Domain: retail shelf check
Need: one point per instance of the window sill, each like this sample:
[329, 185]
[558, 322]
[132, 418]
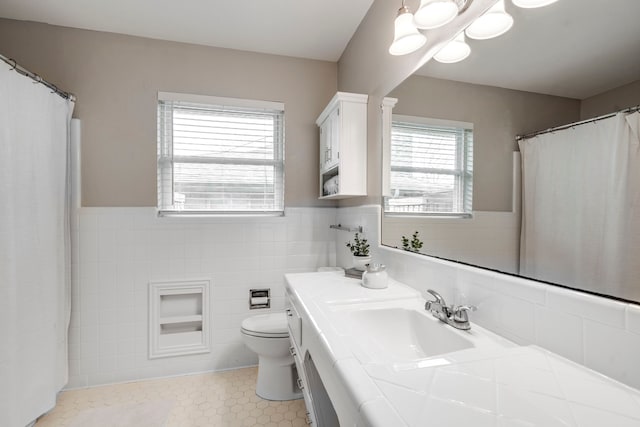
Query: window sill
[214, 214]
[429, 215]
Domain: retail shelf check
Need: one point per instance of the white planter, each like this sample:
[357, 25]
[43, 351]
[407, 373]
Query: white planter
[360, 262]
[375, 277]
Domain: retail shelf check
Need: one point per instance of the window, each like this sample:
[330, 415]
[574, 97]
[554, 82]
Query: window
[219, 155]
[431, 167]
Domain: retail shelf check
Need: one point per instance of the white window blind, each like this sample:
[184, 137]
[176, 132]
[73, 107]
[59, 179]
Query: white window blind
[431, 169]
[216, 158]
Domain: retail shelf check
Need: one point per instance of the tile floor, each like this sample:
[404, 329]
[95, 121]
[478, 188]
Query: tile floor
[225, 399]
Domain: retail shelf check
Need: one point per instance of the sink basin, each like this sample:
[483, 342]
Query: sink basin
[401, 335]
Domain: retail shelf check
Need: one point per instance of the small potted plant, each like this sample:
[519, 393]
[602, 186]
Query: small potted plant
[360, 250]
[413, 245]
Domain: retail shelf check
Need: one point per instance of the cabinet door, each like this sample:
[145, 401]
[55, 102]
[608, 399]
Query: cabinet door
[334, 147]
[325, 135]
[330, 141]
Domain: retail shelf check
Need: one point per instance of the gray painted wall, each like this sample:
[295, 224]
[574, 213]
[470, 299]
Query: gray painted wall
[116, 79]
[366, 67]
[613, 100]
[497, 115]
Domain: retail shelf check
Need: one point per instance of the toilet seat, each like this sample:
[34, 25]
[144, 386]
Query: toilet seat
[272, 325]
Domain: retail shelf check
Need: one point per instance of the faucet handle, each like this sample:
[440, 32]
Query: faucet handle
[438, 307]
[460, 312]
[437, 296]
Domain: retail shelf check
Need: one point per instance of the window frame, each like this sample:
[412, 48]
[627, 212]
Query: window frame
[463, 173]
[165, 155]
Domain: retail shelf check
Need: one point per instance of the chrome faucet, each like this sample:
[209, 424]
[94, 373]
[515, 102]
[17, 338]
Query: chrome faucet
[456, 316]
[437, 307]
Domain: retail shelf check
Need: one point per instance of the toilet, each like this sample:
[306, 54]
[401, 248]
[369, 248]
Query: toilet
[268, 336]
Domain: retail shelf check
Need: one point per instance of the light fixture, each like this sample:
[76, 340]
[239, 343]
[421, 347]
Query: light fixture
[495, 22]
[407, 38]
[454, 51]
[435, 13]
[530, 4]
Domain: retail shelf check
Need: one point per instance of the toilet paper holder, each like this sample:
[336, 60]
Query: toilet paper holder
[259, 298]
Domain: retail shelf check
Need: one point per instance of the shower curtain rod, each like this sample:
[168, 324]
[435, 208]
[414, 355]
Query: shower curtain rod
[37, 79]
[570, 125]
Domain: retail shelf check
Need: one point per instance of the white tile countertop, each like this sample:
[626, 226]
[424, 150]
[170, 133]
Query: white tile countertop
[493, 382]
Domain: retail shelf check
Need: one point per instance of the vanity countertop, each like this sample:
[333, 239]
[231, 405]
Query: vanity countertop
[494, 383]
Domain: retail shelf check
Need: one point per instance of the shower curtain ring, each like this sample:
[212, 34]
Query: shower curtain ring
[15, 64]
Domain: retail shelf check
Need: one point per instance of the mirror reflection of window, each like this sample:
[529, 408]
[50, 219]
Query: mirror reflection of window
[431, 167]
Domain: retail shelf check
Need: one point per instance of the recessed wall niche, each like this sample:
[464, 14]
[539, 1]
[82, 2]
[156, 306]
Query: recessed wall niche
[178, 318]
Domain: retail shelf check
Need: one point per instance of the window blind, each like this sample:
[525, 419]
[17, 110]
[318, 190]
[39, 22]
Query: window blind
[431, 169]
[218, 158]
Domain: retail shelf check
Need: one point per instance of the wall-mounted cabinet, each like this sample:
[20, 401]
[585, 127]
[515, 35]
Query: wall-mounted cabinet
[343, 147]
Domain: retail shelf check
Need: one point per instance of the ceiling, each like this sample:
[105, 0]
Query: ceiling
[572, 48]
[304, 29]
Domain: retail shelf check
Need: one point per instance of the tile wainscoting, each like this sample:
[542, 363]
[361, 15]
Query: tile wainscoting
[600, 333]
[118, 251]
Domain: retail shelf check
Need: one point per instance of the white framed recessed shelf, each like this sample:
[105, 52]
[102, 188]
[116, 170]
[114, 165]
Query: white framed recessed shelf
[178, 318]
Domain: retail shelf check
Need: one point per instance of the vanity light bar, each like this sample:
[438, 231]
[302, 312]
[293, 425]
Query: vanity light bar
[433, 14]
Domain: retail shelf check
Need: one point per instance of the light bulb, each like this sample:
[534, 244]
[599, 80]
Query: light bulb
[407, 38]
[454, 51]
[495, 22]
[435, 13]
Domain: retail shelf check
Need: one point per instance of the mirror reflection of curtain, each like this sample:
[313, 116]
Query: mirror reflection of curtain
[581, 207]
[34, 247]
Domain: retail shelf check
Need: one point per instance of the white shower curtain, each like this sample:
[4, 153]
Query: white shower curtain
[581, 214]
[34, 247]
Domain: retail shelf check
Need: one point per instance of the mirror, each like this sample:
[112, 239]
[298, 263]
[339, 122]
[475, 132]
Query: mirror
[567, 62]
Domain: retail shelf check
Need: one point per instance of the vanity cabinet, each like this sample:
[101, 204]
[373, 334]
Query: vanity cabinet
[294, 323]
[320, 410]
[343, 146]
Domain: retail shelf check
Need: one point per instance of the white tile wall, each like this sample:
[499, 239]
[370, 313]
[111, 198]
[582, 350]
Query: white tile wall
[633, 318]
[601, 333]
[117, 251]
[368, 217]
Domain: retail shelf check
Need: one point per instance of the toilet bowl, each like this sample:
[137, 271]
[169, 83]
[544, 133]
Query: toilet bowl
[267, 335]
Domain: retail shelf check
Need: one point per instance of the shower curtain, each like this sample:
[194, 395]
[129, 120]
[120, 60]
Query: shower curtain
[581, 209]
[34, 247]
